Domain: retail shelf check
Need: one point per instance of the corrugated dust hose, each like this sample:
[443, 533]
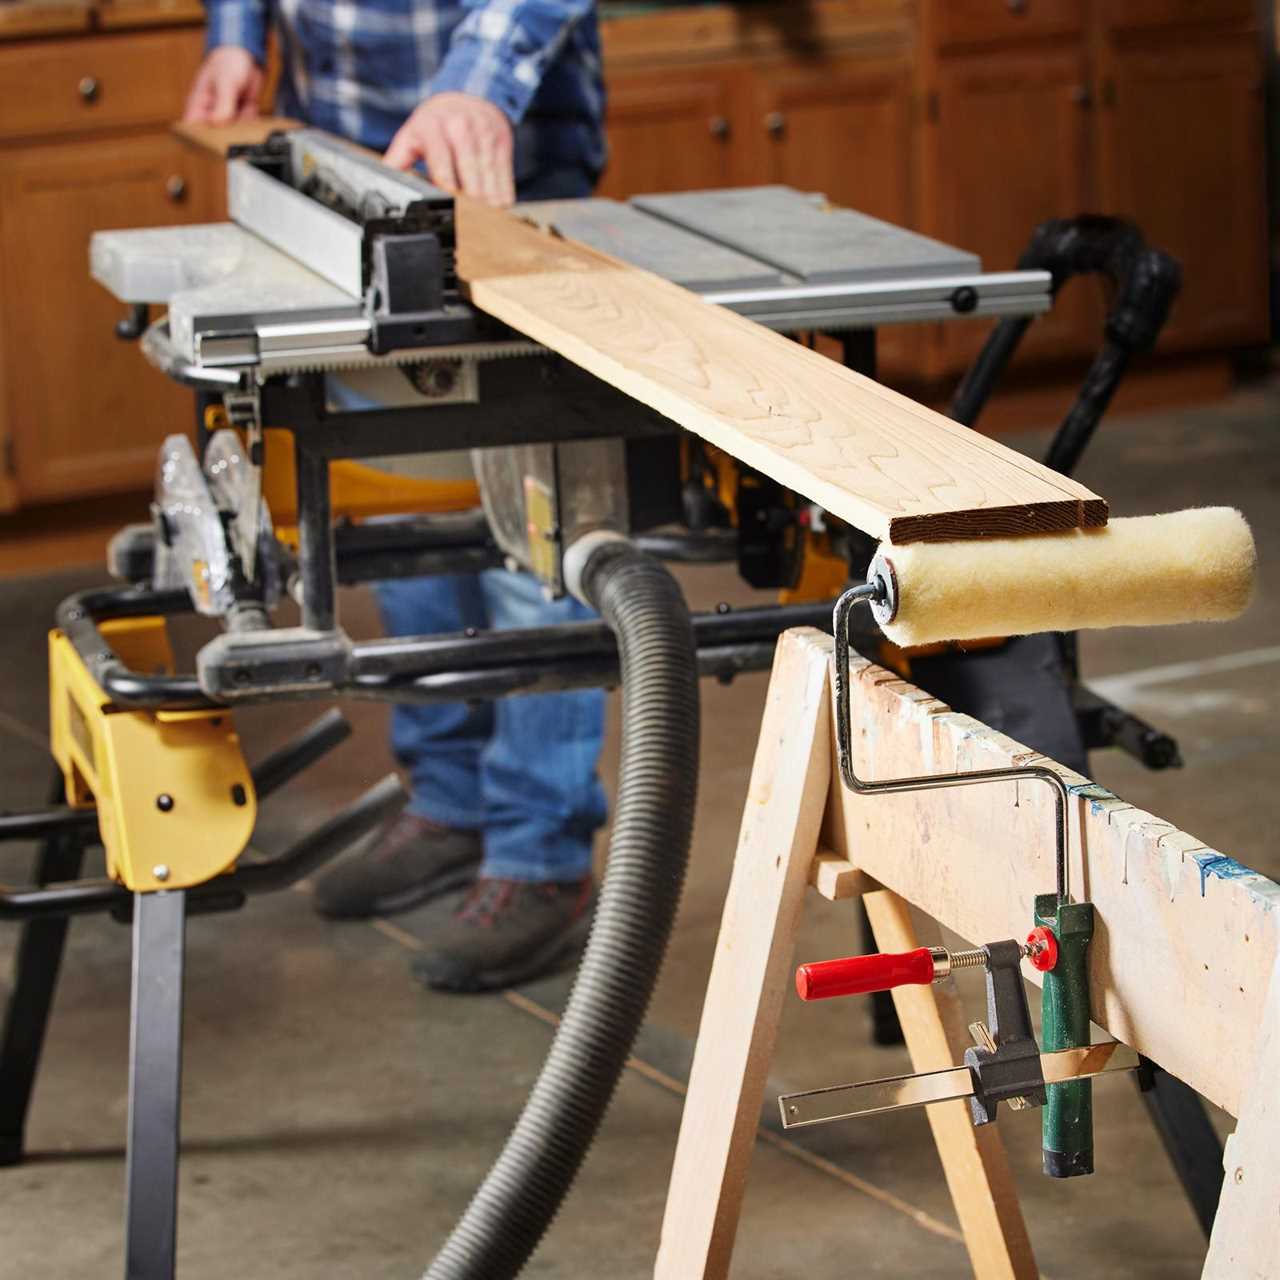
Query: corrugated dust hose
[648, 854]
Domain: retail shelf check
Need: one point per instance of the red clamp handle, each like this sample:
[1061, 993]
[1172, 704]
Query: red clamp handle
[858, 975]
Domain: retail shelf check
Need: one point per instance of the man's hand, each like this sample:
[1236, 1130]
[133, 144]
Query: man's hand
[466, 142]
[226, 88]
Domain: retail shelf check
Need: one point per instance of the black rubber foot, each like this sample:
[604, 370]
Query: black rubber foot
[11, 1150]
[1068, 1164]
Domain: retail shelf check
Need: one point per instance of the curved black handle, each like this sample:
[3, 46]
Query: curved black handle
[1145, 281]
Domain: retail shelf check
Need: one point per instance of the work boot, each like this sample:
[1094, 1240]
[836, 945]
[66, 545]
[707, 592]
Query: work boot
[507, 932]
[412, 861]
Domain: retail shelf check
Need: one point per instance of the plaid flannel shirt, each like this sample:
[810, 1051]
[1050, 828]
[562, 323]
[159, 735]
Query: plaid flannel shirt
[359, 67]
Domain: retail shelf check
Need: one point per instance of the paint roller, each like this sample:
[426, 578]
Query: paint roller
[1186, 566]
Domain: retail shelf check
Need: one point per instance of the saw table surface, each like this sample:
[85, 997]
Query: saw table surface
[783, 257]
[614, 288]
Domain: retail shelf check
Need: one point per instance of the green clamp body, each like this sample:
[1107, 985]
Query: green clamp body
[1068, 1115]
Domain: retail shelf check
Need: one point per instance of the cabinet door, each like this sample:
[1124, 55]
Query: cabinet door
[1006, 150]
[841, 127]
[1181, 153]
[668, 132]
[83, 411]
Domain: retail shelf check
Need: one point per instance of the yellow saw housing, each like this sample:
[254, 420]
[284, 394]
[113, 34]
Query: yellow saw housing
[174, 796]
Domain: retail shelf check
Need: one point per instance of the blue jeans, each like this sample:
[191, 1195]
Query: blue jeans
[521, 770]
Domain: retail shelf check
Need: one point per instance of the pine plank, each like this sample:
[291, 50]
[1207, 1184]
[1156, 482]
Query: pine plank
[892, 467]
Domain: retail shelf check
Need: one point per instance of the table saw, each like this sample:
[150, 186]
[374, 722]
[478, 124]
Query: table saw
[330, 307]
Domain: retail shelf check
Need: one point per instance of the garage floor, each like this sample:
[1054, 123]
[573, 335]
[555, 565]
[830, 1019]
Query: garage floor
[337, 1117]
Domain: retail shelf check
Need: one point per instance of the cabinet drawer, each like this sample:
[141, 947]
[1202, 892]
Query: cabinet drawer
[1118, 14]
[100, 82]
[982, 21]
[84, 410]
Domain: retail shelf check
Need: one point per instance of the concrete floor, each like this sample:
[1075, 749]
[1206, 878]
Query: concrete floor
[337, 1117]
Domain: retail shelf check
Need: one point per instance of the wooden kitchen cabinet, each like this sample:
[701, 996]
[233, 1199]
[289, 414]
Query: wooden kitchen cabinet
[841, 127]
[1005, 145]
[85, 414]
[670, 132]
[973, 121]
[85, 146]
[1180, 148]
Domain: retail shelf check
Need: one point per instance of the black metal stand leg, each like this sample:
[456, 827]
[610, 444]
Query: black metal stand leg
[1189, 1137]
[155, 1082]
[35, 980]
[316, 555]
[859, 350]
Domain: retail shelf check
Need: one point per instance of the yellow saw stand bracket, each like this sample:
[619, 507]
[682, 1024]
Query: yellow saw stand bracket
[175, 800]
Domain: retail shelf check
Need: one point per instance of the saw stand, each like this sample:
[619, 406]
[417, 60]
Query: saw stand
[802, 830]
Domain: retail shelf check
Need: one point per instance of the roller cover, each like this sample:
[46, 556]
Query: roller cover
[1188, 566]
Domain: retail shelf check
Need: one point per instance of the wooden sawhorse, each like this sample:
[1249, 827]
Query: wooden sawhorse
[1183, 965]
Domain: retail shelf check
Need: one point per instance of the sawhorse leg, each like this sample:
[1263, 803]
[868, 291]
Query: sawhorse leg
[35, 980]
[973, 1158]
[155, 1083]
[1245, 1244]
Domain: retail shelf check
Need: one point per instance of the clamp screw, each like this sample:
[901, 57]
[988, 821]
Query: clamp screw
[164, 802]
[161, 872]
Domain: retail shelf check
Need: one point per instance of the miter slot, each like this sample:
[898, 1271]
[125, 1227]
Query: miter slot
[856, 306]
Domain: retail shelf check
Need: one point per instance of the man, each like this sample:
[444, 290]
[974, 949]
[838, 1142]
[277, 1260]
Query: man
[498, 100]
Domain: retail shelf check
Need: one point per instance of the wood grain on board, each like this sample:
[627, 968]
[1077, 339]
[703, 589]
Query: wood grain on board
[870, 456]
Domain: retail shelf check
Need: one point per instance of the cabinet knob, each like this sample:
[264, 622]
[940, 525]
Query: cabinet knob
[175, 187]
[89, 88]
[776, 124]
[1082, 95]
[1018, 6]
[719, 127]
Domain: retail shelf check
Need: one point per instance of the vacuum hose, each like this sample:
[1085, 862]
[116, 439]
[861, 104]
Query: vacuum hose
[648, 854]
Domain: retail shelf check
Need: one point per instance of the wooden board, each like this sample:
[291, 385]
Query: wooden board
[870, 456]
[219, 138]
[1186, 937]
[749, 975]
[973, 1158]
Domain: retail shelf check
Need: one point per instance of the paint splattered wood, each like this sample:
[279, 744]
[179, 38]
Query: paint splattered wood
[875, 458]
[1186, 937]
